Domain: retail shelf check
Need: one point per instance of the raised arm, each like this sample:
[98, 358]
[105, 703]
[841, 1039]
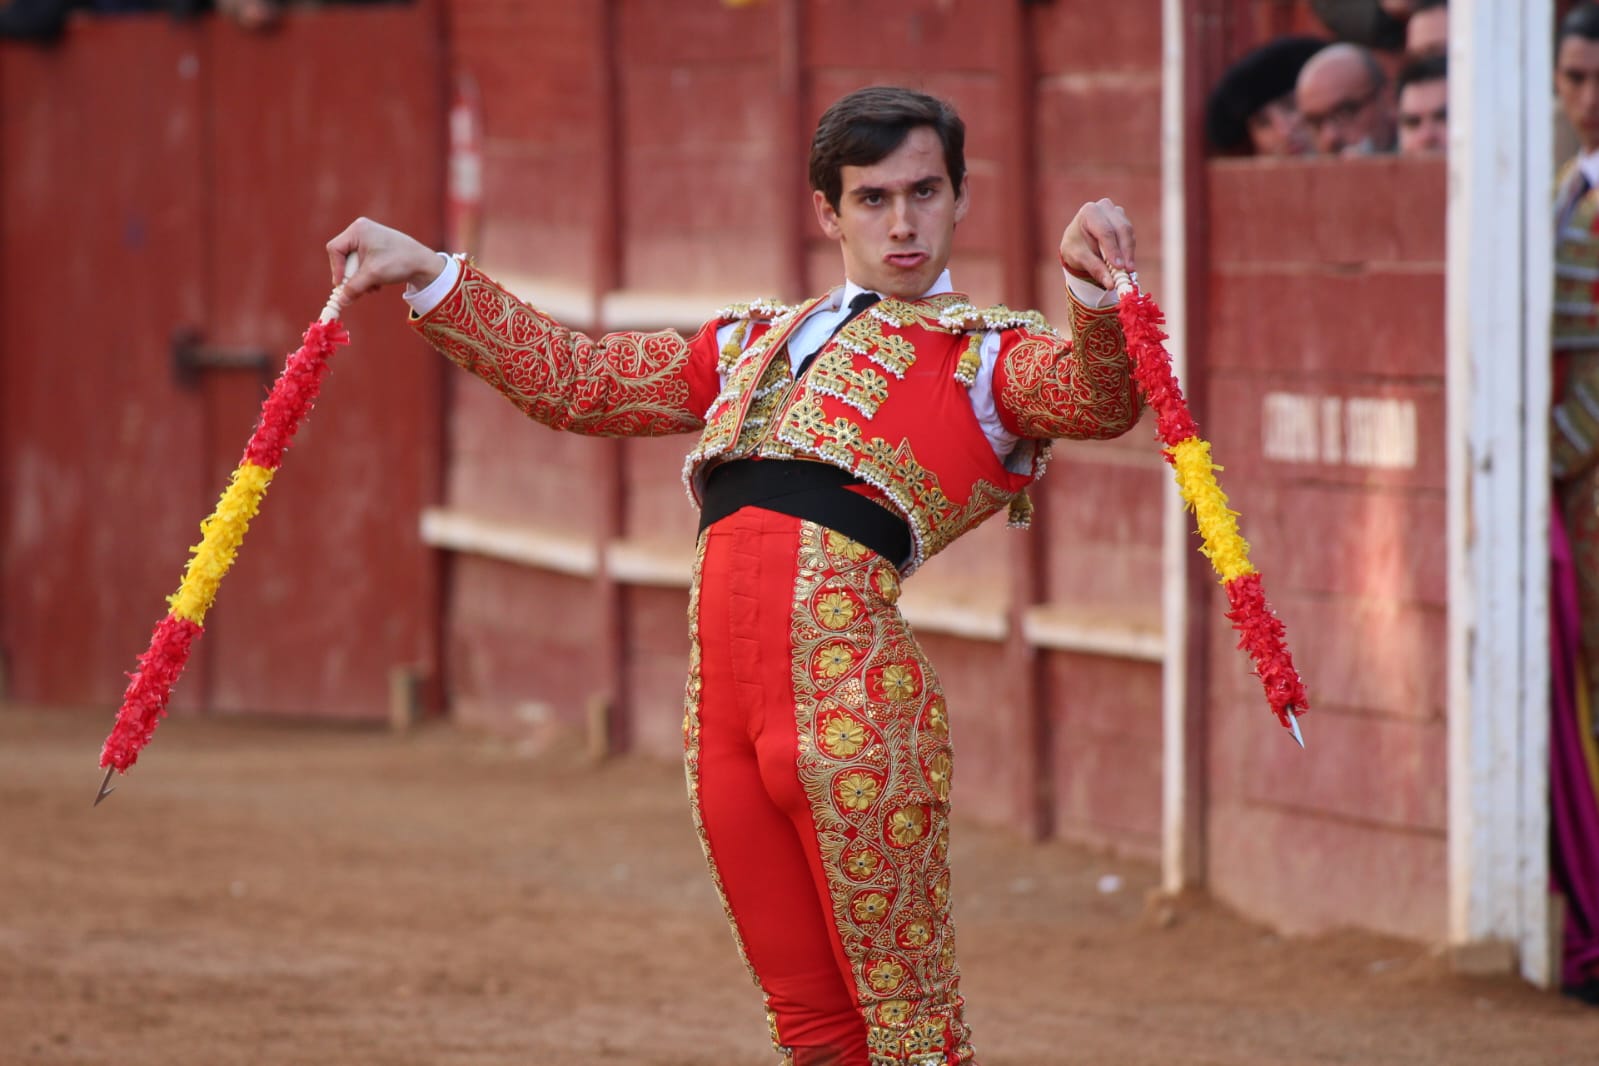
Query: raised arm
[1046, 387]
[624, 384]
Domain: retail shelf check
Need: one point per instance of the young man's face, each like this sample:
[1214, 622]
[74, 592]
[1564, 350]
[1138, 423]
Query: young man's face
[1577, 85]
[896, 218]
[1424, 117]
[1427, 32]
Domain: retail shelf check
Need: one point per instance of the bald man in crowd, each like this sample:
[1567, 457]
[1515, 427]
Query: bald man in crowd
[1343, 99]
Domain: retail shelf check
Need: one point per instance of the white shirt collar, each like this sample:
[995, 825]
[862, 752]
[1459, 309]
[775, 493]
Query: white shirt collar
[1588, 163]
[941, 285]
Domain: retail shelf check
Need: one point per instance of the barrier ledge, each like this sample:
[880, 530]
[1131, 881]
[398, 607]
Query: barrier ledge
[1113, 632]
[512, 542]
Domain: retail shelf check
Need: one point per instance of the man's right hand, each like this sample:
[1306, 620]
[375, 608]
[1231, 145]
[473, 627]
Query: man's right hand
[384, 256]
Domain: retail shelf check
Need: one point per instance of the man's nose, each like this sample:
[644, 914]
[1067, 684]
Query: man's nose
[900, 224]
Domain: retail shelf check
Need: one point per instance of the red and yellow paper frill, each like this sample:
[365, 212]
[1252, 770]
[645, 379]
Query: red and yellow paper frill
[1260, 632]
[149, 687]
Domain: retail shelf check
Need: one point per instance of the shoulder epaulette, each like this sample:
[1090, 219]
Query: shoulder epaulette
[969, 319]
[762, 310]
[977, 321]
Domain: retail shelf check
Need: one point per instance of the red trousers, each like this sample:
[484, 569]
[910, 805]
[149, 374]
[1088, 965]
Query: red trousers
[816, 743]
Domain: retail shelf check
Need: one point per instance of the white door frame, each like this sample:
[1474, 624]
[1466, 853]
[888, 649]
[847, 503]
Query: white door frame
[1500, 279]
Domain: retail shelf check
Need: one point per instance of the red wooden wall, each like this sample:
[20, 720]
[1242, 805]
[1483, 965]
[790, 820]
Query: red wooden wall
[163, 175]
[1325, 363]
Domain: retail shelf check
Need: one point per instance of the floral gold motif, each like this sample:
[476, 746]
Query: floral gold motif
[898, 681]
[907, 825]
[842, 736]
[834, 660]
[870, 907]
[861, 863]
[938, 772]
[885, 975]
[915, 934]
[857, 791]
[876, 774]
[836, 610]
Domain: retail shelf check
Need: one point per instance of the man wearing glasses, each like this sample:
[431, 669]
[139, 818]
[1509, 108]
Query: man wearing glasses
[1343, 98]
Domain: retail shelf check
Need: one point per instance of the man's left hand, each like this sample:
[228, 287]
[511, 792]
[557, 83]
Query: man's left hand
[1099, 238]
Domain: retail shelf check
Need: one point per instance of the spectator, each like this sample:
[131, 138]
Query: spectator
[251, 14]
[45, 20]
[1341, 97]
[1251, 110]
[1574, 528]
[1424, 105]
[1378, 24]
[1427, 29]
[33, 20]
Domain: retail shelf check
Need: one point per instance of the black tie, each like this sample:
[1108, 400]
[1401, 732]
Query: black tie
[1579, 187]
[862, 301]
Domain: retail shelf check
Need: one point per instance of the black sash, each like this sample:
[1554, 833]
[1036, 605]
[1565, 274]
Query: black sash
[810, 490]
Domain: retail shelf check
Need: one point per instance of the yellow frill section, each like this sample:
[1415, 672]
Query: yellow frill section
[1227, 551]
[221, 536]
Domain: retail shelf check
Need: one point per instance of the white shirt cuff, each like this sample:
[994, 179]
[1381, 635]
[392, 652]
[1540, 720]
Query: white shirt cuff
[1088, 294]
[430, 296]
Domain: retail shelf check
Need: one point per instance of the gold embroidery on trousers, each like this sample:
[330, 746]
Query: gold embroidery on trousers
[875, 762]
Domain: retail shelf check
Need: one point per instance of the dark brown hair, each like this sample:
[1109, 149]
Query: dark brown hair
[1422, 69]
[867, 125]
[1581, 21]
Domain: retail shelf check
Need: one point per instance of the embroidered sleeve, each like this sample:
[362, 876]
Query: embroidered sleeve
[1574, 419]
[622, 385]
[1083, 389]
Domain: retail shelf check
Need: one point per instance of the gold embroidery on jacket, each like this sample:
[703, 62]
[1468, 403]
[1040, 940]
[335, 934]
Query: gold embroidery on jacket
[627, 384]
[874, 760]
[834, 374]
[763, 416]
[893, 353]
[1081, 391]
[892, 467]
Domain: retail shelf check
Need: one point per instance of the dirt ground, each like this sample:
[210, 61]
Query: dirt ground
[265, 893]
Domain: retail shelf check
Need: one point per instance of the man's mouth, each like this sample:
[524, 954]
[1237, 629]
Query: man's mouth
[905, 260]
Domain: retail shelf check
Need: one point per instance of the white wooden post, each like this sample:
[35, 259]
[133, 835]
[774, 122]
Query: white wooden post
[1498, 302]
[1178, 868]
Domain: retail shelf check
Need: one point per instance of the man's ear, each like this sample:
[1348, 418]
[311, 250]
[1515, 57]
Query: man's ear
[826, 217]
[961, 201]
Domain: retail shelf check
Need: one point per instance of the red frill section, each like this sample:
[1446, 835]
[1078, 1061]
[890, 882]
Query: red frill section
[1262, 635]
[293, 394]
[1141, 321]
[285, 408]
[1260, 632]
[145, 702]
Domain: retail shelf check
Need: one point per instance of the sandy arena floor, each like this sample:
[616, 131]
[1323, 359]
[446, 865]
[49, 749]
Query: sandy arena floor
[267, 893]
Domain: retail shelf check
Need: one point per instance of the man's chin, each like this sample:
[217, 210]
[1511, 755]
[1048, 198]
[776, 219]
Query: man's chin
[909, 284]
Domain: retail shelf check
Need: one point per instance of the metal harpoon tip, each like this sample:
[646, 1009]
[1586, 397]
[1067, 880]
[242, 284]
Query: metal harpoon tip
[1293, 727]
[106, 787]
